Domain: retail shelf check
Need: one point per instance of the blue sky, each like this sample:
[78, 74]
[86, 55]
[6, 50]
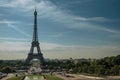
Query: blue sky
[66, 28]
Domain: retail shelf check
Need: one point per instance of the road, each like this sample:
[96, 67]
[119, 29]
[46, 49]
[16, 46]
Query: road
[73, 77]
[8, 76]
[83, 77]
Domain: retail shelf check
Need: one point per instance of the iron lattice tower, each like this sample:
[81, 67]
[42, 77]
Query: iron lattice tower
[35, 44]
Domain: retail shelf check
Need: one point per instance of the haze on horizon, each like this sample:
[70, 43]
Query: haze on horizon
[66, 28]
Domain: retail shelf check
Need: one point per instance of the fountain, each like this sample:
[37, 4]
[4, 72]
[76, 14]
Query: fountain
[27, 78]
[35, 71]
[35, 67]
[34, 78]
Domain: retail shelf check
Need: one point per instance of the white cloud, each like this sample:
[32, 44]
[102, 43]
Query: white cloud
[97, 19]
[13, 46]
[117, 36]
[51, 46]
[48, 10]
[17, 29]
[13, 39]
[52, 50]
[8, 22]
[15, 3]
[12, 25]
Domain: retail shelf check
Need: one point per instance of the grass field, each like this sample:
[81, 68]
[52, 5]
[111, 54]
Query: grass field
[48, 77]
[16, 78]
[35, 76]
[52, 77]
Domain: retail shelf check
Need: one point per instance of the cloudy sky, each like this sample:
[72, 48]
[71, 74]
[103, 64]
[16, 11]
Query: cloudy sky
[66, 28]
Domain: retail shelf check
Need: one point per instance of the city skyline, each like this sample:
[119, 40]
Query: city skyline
[66, 29]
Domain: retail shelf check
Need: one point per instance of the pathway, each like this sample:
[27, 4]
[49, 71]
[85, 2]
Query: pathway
[8, 76]
[79, 77]
[83, 77]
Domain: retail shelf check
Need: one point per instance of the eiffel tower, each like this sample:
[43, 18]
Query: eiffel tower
[35, 44]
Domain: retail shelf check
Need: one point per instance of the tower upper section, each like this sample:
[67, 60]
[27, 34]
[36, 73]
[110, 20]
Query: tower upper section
[35, 34]
[35, 12]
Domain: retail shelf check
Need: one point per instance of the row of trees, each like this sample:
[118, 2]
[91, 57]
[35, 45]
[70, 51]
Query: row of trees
[104, 66]
[8, 66]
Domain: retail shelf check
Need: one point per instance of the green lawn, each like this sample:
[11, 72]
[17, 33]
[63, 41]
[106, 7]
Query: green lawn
[53, 77]
[48, 77]
[16, 78]
[35, 76]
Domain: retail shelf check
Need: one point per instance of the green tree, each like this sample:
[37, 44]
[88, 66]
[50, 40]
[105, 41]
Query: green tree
[7, 69]
[115, 70]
